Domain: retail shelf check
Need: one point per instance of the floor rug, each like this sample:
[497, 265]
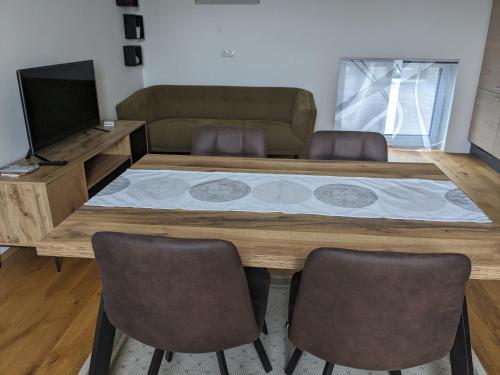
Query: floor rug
[133, 358]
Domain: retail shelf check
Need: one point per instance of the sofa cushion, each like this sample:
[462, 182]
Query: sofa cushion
[174, 135]
[223, 102]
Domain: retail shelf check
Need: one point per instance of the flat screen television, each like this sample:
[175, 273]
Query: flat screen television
[58, 101]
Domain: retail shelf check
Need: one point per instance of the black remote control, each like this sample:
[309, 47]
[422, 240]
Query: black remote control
[52, 162]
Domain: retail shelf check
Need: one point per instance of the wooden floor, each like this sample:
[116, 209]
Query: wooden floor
[47, 319]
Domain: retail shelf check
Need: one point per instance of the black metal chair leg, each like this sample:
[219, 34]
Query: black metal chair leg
[155, 365]
[57, 261]
[264, 359]
[396, 372]
[265, 331]
[169, 356]
[103, 344]
[328, 370]
[461, 353]
[222, 363]
[290, 367]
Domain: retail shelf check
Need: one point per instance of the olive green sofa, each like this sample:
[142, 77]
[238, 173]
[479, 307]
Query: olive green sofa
[287, 115]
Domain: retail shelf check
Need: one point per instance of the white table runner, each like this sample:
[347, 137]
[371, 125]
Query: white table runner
[408, 199]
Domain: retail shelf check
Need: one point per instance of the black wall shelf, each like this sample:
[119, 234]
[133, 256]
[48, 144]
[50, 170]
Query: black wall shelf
[132, 55]
[134, 26]
[127, 3]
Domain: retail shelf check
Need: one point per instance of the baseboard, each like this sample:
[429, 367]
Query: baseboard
[485, 157]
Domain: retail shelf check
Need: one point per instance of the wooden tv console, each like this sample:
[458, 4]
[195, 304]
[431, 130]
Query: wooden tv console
[32, 205]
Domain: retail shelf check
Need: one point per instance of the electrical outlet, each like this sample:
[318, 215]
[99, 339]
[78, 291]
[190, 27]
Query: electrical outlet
[228, 53]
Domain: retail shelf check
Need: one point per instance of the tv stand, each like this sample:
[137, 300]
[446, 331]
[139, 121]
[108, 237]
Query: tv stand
[32, 205]
[44, 161]
[101, 129]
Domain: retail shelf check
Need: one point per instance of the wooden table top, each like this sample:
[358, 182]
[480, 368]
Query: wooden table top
[277, 240]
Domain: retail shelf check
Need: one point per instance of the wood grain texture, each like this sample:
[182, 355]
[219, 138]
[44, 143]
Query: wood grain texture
[32, 205]
[496, 147]
[490, 73]
[101, 165]
[67, 194]
[287, 166]
[47, 319]
[278, 240]
[24, 213]
[486, 120]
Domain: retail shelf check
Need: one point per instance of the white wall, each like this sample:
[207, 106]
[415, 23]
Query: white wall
[299, 43]
[36, 33]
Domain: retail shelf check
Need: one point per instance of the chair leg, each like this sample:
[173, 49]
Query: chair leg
[461, 353]
[265, 331]
[103, 343]
[328, 370]
[155, 365]
[222, 363]
[290, 367]
[57, 262]
[264, 359]
[169, 356]
[396, 372]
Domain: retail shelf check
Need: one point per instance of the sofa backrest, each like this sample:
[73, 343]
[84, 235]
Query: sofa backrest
[210, 102]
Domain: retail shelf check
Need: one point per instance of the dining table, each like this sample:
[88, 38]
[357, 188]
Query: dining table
[277, 239]
[269, 233]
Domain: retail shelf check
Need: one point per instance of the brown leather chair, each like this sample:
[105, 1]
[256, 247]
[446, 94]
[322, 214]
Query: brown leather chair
[348, 145]
[229, 141]
[376, 311]
[177, 295]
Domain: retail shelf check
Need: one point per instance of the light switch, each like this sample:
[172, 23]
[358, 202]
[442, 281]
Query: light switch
[228, 53]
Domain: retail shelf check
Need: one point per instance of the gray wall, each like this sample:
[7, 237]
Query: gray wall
[300, 42]
[46, 32]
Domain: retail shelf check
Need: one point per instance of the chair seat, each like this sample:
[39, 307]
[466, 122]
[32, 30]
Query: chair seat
[259, 281]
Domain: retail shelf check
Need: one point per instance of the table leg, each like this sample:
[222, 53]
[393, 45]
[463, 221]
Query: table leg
[103, 343]
[461, 353]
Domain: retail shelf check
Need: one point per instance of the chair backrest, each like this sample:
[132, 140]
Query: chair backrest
[379, 310]
[348, 145]
[181, 295]
[229, 141]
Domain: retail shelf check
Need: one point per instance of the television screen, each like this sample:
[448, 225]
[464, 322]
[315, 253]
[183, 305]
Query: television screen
[58, 101]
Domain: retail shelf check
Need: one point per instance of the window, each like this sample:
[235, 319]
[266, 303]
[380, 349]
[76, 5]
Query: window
[407, 101]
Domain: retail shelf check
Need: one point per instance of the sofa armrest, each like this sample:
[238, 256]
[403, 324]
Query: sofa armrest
[304, 115]
[139, 106]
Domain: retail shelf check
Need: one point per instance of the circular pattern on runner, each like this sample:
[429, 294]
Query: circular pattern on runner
[224, 190]
[158, 188]
[408, 197]
[115, 186]
[346, 196]
[281, 192]
[460, 199]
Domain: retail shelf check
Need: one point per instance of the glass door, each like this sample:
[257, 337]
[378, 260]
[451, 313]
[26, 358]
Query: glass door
[408, 101]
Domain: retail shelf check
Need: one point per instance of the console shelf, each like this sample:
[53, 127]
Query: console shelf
[100, 166]
[32, 205]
